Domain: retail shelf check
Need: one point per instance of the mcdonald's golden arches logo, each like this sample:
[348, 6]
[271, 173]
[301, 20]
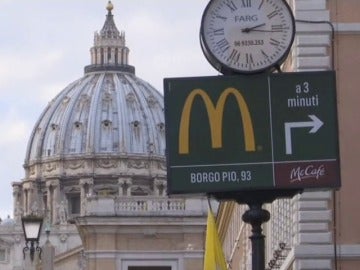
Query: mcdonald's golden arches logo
[215, 115]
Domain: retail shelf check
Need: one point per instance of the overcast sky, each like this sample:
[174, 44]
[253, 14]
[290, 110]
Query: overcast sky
[45, 46]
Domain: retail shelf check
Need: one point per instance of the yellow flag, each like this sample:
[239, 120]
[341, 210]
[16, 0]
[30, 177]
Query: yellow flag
[214, 258]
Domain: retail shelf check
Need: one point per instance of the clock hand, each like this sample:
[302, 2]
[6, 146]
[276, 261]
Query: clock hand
[260, 30]
[248, 29]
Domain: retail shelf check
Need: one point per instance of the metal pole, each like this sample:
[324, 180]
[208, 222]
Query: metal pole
[255, 216]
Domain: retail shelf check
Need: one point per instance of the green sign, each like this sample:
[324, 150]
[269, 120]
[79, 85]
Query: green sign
[266, 131]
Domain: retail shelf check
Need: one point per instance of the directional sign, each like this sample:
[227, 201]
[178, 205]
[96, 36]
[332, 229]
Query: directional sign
[258, 132]
[315, 124]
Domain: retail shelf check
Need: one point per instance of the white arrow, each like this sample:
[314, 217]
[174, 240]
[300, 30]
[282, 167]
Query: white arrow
[315, 124]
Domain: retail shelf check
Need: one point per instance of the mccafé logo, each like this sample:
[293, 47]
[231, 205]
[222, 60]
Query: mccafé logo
[215, 115]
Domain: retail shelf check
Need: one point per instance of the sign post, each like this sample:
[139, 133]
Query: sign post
[252, 139]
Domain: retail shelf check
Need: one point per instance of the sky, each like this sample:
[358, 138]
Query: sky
[44, 46]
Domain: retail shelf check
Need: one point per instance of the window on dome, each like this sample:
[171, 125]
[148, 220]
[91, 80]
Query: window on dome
[77, 124]
[136, 123]
[106, 123]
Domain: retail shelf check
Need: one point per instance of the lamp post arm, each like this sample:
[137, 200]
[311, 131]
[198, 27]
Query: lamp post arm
[26, 248]
[32, 250]
[39, 250]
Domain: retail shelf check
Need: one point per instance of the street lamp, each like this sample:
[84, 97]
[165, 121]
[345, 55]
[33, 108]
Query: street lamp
[32, 229]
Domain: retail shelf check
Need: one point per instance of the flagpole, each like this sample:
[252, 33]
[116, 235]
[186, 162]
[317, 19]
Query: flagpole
[214, 258]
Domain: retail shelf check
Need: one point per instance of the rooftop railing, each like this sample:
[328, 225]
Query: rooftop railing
[145, 205]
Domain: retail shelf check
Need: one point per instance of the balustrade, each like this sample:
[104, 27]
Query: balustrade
[143, 205]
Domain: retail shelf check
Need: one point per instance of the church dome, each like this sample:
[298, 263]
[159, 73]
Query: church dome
[107, 112]
[108, 119]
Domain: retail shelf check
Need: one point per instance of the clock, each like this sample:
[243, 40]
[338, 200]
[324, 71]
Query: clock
[246, 36]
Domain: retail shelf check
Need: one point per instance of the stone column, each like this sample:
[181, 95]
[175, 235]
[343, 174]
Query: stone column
[119, 57]
[29, 199]
[25, 202]
[49, 200]
[106, 59]
[93, 55]
[89, 182]
[18, 210]
[112, 59]
[98, 56]
[16, 193]
[53, 199]
[31, 202]
[123, 57]
[48, 255]
[126, 55]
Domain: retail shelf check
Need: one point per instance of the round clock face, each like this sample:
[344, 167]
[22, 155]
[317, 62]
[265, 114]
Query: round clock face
[246, 36]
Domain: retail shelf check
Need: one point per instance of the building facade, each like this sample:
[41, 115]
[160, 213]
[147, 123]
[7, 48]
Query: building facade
[95, 170]
[317, 229]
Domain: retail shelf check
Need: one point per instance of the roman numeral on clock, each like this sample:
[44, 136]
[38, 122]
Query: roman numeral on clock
[264, 54]
[273, 14]
[223, 45]
[278, 28]
[274, 42]
[219, 32]
[246, 3]
[231, 5]
[262, 2]
[234, 56]
[221, 17]
[249, 58]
